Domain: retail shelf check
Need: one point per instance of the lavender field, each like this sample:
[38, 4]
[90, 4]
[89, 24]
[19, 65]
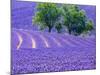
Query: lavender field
[35, 51]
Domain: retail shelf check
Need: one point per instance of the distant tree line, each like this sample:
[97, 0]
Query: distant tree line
[62, 16]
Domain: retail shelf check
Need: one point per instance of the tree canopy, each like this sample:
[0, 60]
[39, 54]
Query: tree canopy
[47, 15]
[64, 16]
[75, 19]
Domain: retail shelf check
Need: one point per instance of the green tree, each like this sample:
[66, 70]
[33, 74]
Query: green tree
[46, 16]
[75, 19]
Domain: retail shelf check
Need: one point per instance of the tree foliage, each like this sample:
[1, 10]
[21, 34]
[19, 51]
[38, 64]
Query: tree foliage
[65, 16]
[47, 15]
[75, 19]
[89, 26]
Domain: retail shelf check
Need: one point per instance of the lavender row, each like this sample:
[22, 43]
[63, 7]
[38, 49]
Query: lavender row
[42, 39]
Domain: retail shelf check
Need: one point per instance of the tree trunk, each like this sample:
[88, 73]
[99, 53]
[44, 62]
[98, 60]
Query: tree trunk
[69, 31]
[49, 29]
[69, 28]
[59, 31]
